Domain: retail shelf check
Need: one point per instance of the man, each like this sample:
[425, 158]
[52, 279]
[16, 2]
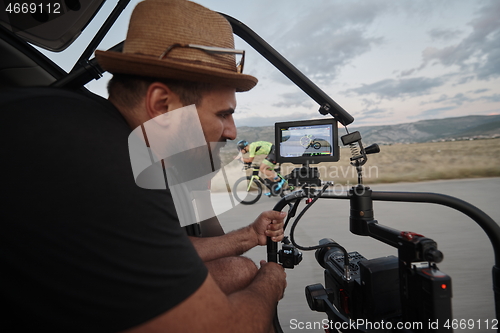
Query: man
[260, 148]
[83, 248]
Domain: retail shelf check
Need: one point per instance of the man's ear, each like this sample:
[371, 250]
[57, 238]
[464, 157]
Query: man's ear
[160, 99]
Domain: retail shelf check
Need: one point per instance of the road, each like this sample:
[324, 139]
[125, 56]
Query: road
[468, 254]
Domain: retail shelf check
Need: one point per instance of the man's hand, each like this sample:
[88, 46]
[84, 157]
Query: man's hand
[269, 224]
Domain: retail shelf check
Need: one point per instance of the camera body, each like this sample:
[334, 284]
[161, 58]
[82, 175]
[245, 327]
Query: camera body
[382, 290]
[372, 291]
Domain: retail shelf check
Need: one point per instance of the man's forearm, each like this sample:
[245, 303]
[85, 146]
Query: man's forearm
[249, 310]
[234, 243]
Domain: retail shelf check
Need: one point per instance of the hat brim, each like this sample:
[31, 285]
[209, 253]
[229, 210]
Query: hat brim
[142, 65]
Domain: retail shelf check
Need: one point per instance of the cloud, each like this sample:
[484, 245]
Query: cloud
[408, 72]
[432, 112]
[329, 42]
[374, 112]
[465, 79]
[492, 98]
[398, 88]
[461, 98]
[270, 120]
[444, 34]
[479, 52]
[370, 102]
[367, 116]
[341, 48]
[479, 91]
[440, 99]
[294, 100]
[458, 99]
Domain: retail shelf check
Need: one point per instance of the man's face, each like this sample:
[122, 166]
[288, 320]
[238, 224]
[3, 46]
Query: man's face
[216, 116]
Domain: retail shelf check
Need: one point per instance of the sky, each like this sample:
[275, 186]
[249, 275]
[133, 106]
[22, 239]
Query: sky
[384, 61]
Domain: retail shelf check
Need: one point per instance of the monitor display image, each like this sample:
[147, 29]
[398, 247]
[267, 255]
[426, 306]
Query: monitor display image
[308, 141]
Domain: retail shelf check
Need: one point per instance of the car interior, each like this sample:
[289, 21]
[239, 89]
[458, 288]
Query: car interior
[22, 65]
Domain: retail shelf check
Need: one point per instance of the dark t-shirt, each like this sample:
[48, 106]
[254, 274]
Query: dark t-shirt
[82, 247]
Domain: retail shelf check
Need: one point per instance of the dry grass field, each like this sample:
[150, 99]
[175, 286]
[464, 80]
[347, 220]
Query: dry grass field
[421, 161]
[418, 162]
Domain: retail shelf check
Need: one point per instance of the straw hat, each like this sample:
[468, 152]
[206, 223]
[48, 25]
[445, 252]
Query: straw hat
[157, 26]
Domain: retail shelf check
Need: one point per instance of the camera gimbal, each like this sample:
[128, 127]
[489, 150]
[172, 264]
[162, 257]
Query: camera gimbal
[406, 288]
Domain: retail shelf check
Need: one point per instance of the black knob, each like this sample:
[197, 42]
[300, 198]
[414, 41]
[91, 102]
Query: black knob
[372, 149]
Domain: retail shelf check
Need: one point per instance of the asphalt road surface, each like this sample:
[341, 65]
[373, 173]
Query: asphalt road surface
[468, 253]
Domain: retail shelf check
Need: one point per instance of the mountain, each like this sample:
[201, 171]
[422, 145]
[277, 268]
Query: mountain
[433, 130]
[421, 131]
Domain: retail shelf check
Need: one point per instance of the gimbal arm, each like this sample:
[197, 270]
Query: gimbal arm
[379, 232]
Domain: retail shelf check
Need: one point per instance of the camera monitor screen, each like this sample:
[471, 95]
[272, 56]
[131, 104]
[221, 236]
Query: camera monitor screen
[307, 141]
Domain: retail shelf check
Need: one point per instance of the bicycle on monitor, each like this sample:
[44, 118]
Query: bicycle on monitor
[248, 190]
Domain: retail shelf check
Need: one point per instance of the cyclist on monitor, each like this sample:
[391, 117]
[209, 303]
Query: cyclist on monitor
[260, 148]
